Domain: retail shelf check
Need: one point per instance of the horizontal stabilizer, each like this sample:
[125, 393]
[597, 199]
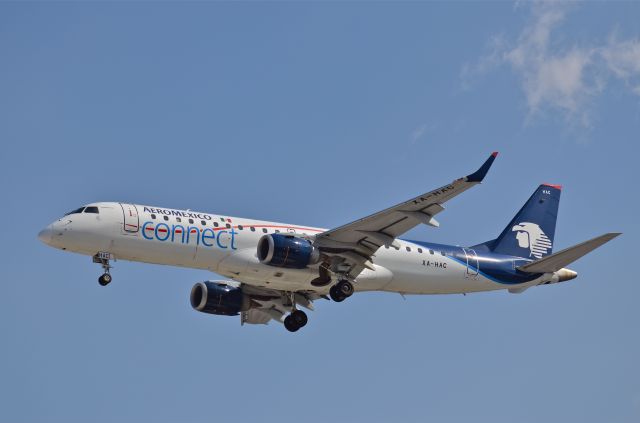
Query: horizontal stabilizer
[556, 261]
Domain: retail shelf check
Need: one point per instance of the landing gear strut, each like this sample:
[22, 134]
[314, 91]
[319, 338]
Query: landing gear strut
[341, 291]
[103, 260]
[297, 319]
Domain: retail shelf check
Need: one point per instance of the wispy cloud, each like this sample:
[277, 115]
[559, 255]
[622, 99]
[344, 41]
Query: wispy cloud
[420, 132]
[557, 76]
[623, 60]
[417, 133]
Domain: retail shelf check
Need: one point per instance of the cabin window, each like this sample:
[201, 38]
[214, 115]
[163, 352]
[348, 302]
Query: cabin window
[178, 220]
[191, 221]
[165, 217]
[215, 224]
[239, 227]
[420, 250]
[91, 209]
[253, 229]
[153, 216]
[228, 226]
[264, 230]
[204, 223]
[431, 252]
[277, 231]
[408, 249]
[443, 253]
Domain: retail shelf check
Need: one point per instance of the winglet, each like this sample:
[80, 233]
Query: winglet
[479, 174]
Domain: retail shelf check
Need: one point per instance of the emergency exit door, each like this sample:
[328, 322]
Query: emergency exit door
[472, 263]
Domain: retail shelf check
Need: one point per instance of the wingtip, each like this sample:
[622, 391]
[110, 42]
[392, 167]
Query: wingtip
[479, 174]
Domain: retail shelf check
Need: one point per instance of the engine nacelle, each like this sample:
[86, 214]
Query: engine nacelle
[218, 298]
[288, 251]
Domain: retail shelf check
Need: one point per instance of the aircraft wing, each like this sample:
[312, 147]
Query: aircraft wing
[355, 243]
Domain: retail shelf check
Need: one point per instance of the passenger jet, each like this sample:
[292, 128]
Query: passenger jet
[275, 269]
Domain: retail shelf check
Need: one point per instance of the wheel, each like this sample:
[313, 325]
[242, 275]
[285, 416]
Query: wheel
[105, 279]
[290, 324]
[299, 318]
[336, 295]
[345, 288]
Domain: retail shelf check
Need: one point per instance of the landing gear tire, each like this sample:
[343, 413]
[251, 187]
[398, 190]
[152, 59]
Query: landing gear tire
[336, 295]
[341, 291]
[300, 318]
[104, 280]
[296, 320]
[290, 324]
[345, 288]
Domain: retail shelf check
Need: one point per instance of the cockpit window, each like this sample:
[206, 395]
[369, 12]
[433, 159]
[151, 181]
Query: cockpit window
[75, 211]
[91, 209]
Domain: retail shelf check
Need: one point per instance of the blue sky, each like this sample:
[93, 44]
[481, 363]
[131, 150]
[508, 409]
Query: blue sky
[317, 114]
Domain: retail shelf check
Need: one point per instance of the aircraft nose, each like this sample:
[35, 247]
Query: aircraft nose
[46, 234]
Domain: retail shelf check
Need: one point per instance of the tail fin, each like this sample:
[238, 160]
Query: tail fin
[530, 233]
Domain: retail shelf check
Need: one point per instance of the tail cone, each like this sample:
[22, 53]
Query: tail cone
[566, 275]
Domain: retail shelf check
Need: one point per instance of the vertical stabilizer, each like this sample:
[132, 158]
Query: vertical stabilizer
[530, 233]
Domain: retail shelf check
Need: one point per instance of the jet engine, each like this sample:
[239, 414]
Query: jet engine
[218, 298]
[288, 251]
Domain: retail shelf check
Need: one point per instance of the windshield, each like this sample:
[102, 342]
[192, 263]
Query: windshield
[75, 211]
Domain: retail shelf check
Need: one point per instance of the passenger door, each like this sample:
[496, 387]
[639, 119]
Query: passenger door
[131, 219]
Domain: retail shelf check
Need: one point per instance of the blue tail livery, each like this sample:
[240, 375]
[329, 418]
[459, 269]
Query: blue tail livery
[530, 233]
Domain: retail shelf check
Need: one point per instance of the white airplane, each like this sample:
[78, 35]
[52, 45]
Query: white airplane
[274, 268]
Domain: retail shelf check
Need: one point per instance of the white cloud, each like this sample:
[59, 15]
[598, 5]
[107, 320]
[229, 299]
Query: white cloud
[554, 76]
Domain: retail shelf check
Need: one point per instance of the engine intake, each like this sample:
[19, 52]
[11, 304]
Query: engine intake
[287, 251]
[218, 298]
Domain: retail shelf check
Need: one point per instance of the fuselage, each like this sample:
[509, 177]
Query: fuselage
[227, 245]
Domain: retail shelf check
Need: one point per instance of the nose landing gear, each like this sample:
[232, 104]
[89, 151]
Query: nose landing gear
[103, 258]
[105, 279]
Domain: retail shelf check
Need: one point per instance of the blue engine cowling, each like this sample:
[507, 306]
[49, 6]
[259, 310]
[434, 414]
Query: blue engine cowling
[288, 251]
[218, 298]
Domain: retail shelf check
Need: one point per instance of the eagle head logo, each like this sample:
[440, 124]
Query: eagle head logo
[529, 235]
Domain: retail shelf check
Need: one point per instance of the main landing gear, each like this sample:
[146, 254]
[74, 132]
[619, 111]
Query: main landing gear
[103, 260]
[297, 318]
[341, 291]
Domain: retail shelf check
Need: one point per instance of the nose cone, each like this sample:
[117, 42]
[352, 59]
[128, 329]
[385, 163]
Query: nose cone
[46, 235]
